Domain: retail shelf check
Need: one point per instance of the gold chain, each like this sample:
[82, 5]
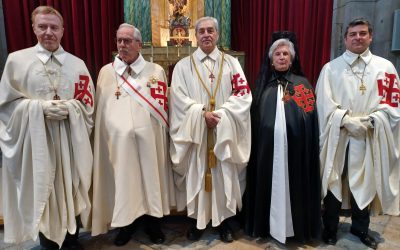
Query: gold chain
[362, 87]
[285, 92]
[211, 75]
[211, 96]
[54, 85]
[117, 92]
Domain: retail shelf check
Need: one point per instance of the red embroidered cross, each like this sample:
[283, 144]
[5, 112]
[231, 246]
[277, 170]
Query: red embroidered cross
[159, 93]
[239, 86]
[389, 90]
[304, 98]
[83, 91]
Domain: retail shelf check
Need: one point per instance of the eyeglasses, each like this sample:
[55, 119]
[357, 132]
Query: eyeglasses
[124, 40]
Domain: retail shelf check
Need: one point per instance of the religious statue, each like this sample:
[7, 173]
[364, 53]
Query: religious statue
[179, 24]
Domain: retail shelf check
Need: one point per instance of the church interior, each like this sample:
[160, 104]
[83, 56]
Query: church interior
[245, 30]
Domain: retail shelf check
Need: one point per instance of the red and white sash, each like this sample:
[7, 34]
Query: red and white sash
[156, 104]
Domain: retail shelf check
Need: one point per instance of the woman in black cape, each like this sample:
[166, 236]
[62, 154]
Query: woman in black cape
[282, 197]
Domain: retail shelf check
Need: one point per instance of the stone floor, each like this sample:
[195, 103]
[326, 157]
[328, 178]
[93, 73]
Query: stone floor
[386, 229]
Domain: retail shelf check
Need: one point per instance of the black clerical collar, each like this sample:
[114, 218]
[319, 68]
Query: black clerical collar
[280, 75]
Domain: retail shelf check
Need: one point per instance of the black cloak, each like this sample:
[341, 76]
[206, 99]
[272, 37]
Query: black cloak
[303, 151]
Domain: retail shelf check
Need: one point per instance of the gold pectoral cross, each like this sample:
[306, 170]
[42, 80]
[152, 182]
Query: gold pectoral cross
[362, 88]
[117, 93]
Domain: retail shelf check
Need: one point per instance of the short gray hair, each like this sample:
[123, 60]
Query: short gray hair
[136, 32]
[282, 42]
[206, 18]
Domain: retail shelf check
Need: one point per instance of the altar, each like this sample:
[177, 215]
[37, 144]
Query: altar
[168, 28]
[168, 56]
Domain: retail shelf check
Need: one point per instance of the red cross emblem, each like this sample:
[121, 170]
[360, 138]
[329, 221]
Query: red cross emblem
[159, 93]
[304, 98]
[389, 90]
[83, 91]
[239, 86]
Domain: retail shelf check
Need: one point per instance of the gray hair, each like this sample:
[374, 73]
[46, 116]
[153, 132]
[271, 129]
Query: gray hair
[136, 32]
[206, 18]
[282, 42]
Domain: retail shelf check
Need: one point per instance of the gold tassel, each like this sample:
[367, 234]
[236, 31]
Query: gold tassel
[212, 160]
[208, 181]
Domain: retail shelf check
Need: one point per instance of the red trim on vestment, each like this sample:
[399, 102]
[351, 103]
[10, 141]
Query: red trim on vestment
[137, 92]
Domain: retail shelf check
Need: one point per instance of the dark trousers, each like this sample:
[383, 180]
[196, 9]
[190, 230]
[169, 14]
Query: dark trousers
[47, 244]
[359, 218]
[150, 221]
[226, 222]
[147, 221]
[330, 218]
[51, 245]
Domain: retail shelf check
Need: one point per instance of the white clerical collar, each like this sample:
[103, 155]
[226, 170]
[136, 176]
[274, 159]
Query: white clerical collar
[137, 66]
[351, 57]
[201, 55]
[44, 55]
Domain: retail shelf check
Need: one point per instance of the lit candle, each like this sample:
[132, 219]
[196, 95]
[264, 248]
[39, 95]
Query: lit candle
[151, 53]
[151, 59]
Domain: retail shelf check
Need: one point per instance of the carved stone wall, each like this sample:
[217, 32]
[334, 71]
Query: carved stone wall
[380, 13]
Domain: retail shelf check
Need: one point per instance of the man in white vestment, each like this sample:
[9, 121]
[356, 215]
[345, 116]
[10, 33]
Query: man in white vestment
[210, 133]
[46, 107]
[132, 175]
[359, 117]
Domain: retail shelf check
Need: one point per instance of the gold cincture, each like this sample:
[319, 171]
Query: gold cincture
[211, 158]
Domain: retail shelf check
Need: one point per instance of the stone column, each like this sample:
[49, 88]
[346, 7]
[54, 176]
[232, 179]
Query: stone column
[380, 13]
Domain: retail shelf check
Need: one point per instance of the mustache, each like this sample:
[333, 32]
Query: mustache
[122, 50]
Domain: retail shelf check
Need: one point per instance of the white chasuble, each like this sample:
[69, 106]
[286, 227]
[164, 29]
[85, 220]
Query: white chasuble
[47, 164]
[132, 175]
[373, 168]
[188, 132]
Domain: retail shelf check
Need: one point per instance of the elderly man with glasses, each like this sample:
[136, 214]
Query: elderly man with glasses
[131, 173]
